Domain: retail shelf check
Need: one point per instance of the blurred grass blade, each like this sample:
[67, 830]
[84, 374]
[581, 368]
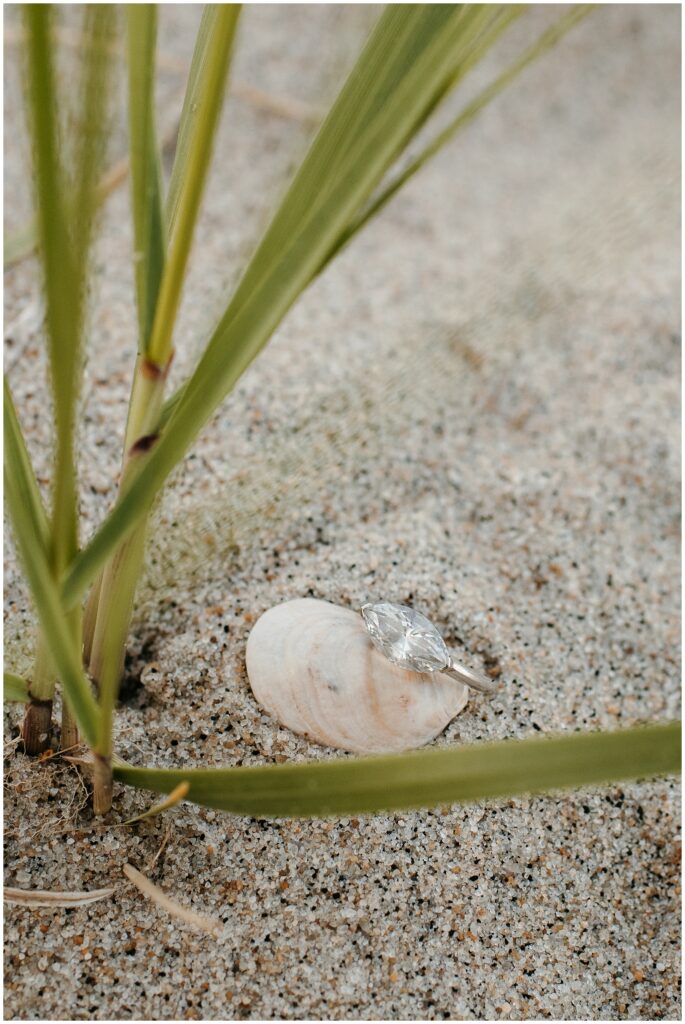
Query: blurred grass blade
[15, 688]
[60, 271]
[64, 651]
[83, 197]
[21, 243]
[483, 771]
[65, 231]
[16, 455]
[415, 54]
[146, 184]
[207, 84]
[68, 144]
[547, 40]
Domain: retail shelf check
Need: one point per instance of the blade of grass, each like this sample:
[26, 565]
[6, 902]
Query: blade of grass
[38, 718]
[283, 106]
[109, 611]
[19, 487]
[483, 771]
[83, 200]
[177, 794]
[15, 688]
[207, 86]
[146, 186]
[66, 202]
[65, 231]
[58, 637]
[479, 28]
[21, 242]
[190, 106]
[547, 40]
[114, 611]
[60, 273]
[82, 197]
[203, 104]
[40, 690]
[149, 248]
[413, 56]
[201, 109]
[428, 45]
[160, 302]
[16, 453]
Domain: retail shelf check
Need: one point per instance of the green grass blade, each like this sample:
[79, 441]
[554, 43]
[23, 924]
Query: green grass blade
[146, 184]
[365, 94]
[60, 272]
[65, 207]
[546, 41]
[67, 153]
[208, 86]
[15, 689]
[482, 771]
[18, 463]
[56, 630]
[190, 106]
[414, 56]
[114, 612]
[83, 195]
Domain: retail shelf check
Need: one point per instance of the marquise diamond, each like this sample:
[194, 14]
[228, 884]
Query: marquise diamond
[406, 637]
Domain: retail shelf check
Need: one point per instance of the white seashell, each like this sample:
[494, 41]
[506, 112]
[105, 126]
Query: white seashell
[312, 665]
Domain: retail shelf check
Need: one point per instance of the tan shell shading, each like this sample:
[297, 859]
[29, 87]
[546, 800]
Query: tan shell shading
[312, 665]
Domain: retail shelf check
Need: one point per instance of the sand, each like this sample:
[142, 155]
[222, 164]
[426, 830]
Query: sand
[475, 410]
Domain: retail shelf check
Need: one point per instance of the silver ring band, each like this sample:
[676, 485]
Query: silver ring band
[475, 680]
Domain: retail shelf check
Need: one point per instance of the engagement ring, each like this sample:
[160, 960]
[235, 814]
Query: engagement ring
[410, 640]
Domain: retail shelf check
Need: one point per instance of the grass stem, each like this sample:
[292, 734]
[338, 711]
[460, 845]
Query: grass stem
[196, 152]
[37, 725]
[35, 730]
[70, 737]
[102, 785]
[90, 615]
[70, 734]
[110, 606]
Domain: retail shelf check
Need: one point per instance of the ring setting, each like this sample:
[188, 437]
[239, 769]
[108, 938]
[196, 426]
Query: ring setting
[408, 639]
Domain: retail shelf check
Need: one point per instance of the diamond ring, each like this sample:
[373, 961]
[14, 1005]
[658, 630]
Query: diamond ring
[410, 640]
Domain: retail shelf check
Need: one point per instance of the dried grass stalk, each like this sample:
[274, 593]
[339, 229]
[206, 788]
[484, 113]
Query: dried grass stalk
[44, 898]
[174, 798]
[153, 892]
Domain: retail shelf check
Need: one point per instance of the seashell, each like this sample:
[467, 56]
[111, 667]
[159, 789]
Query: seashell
[312, 665]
